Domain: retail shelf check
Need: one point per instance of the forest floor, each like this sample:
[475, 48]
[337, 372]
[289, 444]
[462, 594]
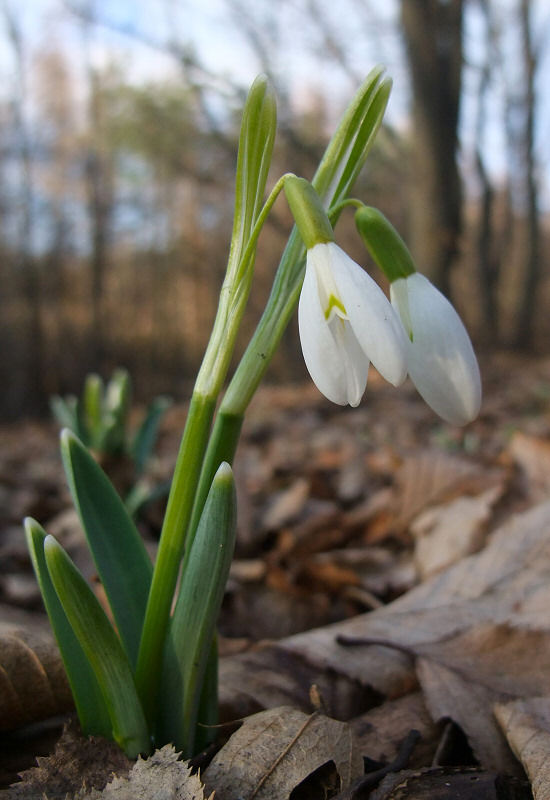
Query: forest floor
[391, 571]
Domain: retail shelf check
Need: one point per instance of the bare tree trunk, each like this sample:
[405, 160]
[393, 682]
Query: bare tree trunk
[488, 260]
[433, 35]
[525, 324]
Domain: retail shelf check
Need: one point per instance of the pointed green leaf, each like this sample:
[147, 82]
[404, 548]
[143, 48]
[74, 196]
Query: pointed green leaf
[117, 548]
[256, 140]
[91, 708]
[102, 648]
[146, 435]
[351, 142]
[192, 628]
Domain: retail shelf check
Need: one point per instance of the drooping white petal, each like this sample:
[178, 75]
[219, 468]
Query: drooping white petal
[374, 321]
[441, 359]
[333, 357]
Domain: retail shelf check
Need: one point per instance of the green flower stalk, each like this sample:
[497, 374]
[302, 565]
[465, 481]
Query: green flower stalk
[255, 150]
[339, 168]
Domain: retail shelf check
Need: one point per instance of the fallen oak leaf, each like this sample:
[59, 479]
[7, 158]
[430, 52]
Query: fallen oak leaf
[462, 677]
[445, 534]
[162, 775]
[433, 477]
[276, 750]
[526, 725]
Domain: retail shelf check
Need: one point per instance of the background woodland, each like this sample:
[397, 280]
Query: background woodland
[116, 192]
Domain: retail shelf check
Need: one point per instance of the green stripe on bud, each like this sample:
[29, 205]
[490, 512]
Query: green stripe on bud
[308, 212]
[385, 245]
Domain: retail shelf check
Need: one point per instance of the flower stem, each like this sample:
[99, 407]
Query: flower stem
[171, 547]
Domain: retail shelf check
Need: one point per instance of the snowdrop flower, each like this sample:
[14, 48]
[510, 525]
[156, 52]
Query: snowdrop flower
[440, 357]
[346, 321]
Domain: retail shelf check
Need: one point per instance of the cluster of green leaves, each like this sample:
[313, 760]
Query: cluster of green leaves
[148, 675]
[101, 420]
[100, 657]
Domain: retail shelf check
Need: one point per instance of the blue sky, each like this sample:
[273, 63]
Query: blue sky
[298, 57]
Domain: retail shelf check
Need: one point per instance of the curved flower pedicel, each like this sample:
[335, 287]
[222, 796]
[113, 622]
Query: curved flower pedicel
[346, 321]
[440, 357]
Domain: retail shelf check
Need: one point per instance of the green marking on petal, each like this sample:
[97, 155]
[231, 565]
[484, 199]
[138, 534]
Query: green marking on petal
[335, 306]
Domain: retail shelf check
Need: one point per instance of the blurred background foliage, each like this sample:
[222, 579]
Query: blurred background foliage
[116, 183]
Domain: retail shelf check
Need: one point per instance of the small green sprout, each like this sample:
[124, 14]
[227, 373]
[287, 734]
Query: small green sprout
[101, 420]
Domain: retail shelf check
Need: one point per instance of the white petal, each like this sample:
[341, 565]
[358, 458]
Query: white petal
[374, 322]
[441, 359]
[334, 360]
[354, 360]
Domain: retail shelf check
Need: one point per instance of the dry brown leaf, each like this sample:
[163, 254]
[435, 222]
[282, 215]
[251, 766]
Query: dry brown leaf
[77, 766]
[286, 506]
[433, 477]
[445, 534]
[526, 725]
[487, 618]
[450, 783]
[33, 682]
[276, 750]
[160, 776]
[380, 733]
[449, 695]
[532, 455]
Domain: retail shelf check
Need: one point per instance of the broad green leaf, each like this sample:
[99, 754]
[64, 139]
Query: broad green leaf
[117, 548]
[91, 708]
[146, 435]
[102, 648]
[208, 712]
[192, 628]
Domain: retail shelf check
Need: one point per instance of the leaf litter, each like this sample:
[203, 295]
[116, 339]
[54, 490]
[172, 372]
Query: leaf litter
[443, 536]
